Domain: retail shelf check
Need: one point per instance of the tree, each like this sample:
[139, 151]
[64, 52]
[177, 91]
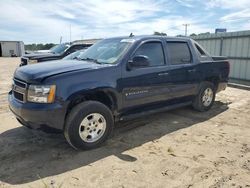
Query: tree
[48, 46]
[35, 47]
[193, 35]
[160, 33]
[207, 33]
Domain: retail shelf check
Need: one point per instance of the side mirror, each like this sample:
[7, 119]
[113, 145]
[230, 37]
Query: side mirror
[139, 61]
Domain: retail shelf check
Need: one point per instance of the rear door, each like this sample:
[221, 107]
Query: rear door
[184, 78]
[142, 86]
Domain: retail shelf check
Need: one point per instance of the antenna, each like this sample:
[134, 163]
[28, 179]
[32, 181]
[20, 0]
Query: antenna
[131, 35]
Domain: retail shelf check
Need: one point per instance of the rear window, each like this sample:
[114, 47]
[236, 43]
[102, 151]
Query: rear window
[179, 53]
[201, 52]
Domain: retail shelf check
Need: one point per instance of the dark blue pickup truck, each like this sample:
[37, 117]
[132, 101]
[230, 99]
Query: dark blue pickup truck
[116, 79]
[57, 52]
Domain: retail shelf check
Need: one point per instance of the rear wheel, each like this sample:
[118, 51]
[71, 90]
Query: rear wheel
[205, 98]
[88, 125]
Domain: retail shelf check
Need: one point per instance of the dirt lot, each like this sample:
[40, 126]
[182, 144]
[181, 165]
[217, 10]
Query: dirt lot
[180, 148]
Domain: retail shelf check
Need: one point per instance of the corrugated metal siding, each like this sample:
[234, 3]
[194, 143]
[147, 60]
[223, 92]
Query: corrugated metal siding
[234, 45]
[8, 47]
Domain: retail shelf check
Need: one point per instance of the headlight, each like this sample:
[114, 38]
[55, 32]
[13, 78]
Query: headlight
[32, 61]
[41, 93]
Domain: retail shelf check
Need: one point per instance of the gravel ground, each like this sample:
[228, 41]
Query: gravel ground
[179, 148]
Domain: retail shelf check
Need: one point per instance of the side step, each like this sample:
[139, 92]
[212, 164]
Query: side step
[153, 111]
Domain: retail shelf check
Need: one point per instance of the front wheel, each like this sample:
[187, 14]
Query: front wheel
[205, 98]
[88, 125]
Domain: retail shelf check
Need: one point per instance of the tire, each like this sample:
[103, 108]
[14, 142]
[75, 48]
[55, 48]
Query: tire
[200, 103]
[88, 125]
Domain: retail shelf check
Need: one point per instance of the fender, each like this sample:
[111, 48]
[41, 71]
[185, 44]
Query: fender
[77, 91]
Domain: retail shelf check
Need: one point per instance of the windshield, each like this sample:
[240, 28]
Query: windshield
[58, 49]
[107, 51]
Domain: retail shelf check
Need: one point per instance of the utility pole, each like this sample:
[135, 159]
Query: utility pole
[186, 25]
[61, 40]
[70, 33]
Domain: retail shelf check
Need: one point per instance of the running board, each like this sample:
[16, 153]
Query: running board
[153, 111]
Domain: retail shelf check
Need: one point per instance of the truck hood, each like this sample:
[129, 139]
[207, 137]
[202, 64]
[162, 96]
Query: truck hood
[42, 51]
[40, 55]
[37, 72]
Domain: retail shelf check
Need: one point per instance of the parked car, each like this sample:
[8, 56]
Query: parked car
[117, 79]
[57, 52]
[74, 55]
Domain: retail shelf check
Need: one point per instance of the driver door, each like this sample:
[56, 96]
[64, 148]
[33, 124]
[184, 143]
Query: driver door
[146, 85]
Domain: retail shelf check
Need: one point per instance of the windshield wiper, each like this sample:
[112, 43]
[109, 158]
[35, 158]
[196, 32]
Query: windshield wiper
[91, 59]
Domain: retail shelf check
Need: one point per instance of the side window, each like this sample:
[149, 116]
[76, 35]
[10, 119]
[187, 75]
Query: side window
[70, 50]
[74, 48]
[179, 53]
[154, 52]
[201, 52]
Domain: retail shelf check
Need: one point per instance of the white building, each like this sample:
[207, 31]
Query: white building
[11, 48]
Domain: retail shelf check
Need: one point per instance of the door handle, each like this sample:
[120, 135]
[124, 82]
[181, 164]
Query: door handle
[163, 74]
[192, 70]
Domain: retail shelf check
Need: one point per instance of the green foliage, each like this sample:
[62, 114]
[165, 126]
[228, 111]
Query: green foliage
[193, 35]
[207, 33]
[160, 33]
[34, 47]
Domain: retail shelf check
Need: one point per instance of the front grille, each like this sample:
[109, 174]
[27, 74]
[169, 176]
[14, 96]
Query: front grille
[20, 84]
[18, 96]
[19, 89]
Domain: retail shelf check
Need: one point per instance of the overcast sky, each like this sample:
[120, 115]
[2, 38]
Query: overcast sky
[44, 21]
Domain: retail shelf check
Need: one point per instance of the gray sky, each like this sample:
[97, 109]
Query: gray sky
[45, 21]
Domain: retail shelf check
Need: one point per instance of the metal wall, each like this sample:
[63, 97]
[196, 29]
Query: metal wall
[234, 45]
[12, 47]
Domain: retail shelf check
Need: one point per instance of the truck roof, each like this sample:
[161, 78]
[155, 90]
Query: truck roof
[145, 37]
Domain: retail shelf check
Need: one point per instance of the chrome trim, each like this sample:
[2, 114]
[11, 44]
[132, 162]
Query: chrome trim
[24, 83]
